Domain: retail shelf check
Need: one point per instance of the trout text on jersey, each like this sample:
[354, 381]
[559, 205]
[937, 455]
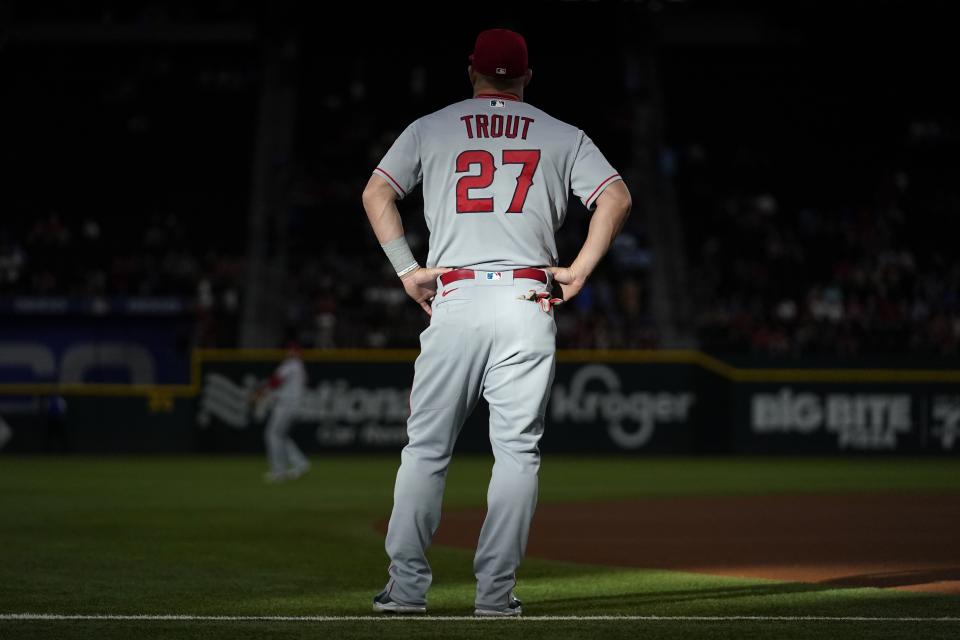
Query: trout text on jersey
[482, 125]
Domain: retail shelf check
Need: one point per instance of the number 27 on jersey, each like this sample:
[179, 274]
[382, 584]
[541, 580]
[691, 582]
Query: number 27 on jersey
[466, 161]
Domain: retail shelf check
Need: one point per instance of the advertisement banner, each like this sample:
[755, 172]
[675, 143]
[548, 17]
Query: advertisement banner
[358, 401]
[848, 417]
[363, 406]
[95, 350]
[348, 406]
[618, 407]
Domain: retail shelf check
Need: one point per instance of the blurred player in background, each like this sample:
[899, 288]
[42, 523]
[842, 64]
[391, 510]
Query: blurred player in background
[287, 385]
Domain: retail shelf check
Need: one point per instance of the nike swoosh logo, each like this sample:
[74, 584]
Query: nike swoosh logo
[444, 293]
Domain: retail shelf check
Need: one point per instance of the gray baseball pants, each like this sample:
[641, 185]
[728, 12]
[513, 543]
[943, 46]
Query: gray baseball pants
[482, 339]
[283, 454]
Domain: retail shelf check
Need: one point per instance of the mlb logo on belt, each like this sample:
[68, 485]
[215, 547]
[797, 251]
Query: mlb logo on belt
[494, 275]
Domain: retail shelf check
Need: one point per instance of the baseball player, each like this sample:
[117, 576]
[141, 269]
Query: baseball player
[286, 460]
[496, 174]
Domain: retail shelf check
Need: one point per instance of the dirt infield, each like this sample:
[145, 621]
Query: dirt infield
[907, 542]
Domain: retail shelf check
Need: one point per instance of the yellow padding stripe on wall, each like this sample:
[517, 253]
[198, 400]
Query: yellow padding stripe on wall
[665, 356]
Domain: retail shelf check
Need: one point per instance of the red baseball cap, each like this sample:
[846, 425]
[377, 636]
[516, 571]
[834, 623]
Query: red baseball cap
[500, 53]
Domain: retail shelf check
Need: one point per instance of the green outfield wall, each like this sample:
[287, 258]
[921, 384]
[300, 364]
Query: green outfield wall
[624, 401]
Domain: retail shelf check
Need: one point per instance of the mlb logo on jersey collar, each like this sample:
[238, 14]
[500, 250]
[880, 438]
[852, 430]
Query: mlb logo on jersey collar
[498, 103]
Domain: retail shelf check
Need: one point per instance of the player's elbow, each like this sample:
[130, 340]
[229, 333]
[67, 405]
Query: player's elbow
[377, 193]
[369, 197]
[626, 203]
[617, 199]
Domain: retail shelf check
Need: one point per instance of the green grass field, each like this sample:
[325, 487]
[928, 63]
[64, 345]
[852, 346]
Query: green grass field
[205, 536]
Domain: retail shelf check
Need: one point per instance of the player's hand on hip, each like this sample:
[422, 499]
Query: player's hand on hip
[421, 285]
[568, 279]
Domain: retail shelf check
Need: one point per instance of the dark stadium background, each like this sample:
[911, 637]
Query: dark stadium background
[754, 424]
[826, 129]
[181, 190]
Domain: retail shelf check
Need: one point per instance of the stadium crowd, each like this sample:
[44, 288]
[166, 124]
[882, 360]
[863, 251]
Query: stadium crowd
[769, 274]
[766, 279]
[827, 279]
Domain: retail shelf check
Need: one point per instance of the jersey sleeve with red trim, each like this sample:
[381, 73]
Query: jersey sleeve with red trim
[401, 166]
[591, 173]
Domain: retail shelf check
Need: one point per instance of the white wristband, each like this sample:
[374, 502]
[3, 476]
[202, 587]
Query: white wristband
[400, 256]
[412, 267]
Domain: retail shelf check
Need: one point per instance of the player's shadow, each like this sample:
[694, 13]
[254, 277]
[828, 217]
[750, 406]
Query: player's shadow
[625, 600]
[896, 578]
[875, 580]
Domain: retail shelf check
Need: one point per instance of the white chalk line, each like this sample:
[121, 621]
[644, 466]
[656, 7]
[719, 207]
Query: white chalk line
[417, 618]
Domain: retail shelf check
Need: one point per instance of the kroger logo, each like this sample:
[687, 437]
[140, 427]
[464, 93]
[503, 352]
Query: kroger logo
[594, 394]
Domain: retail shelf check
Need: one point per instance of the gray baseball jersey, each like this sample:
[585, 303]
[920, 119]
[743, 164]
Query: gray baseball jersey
[496, 176]
[293, 380]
